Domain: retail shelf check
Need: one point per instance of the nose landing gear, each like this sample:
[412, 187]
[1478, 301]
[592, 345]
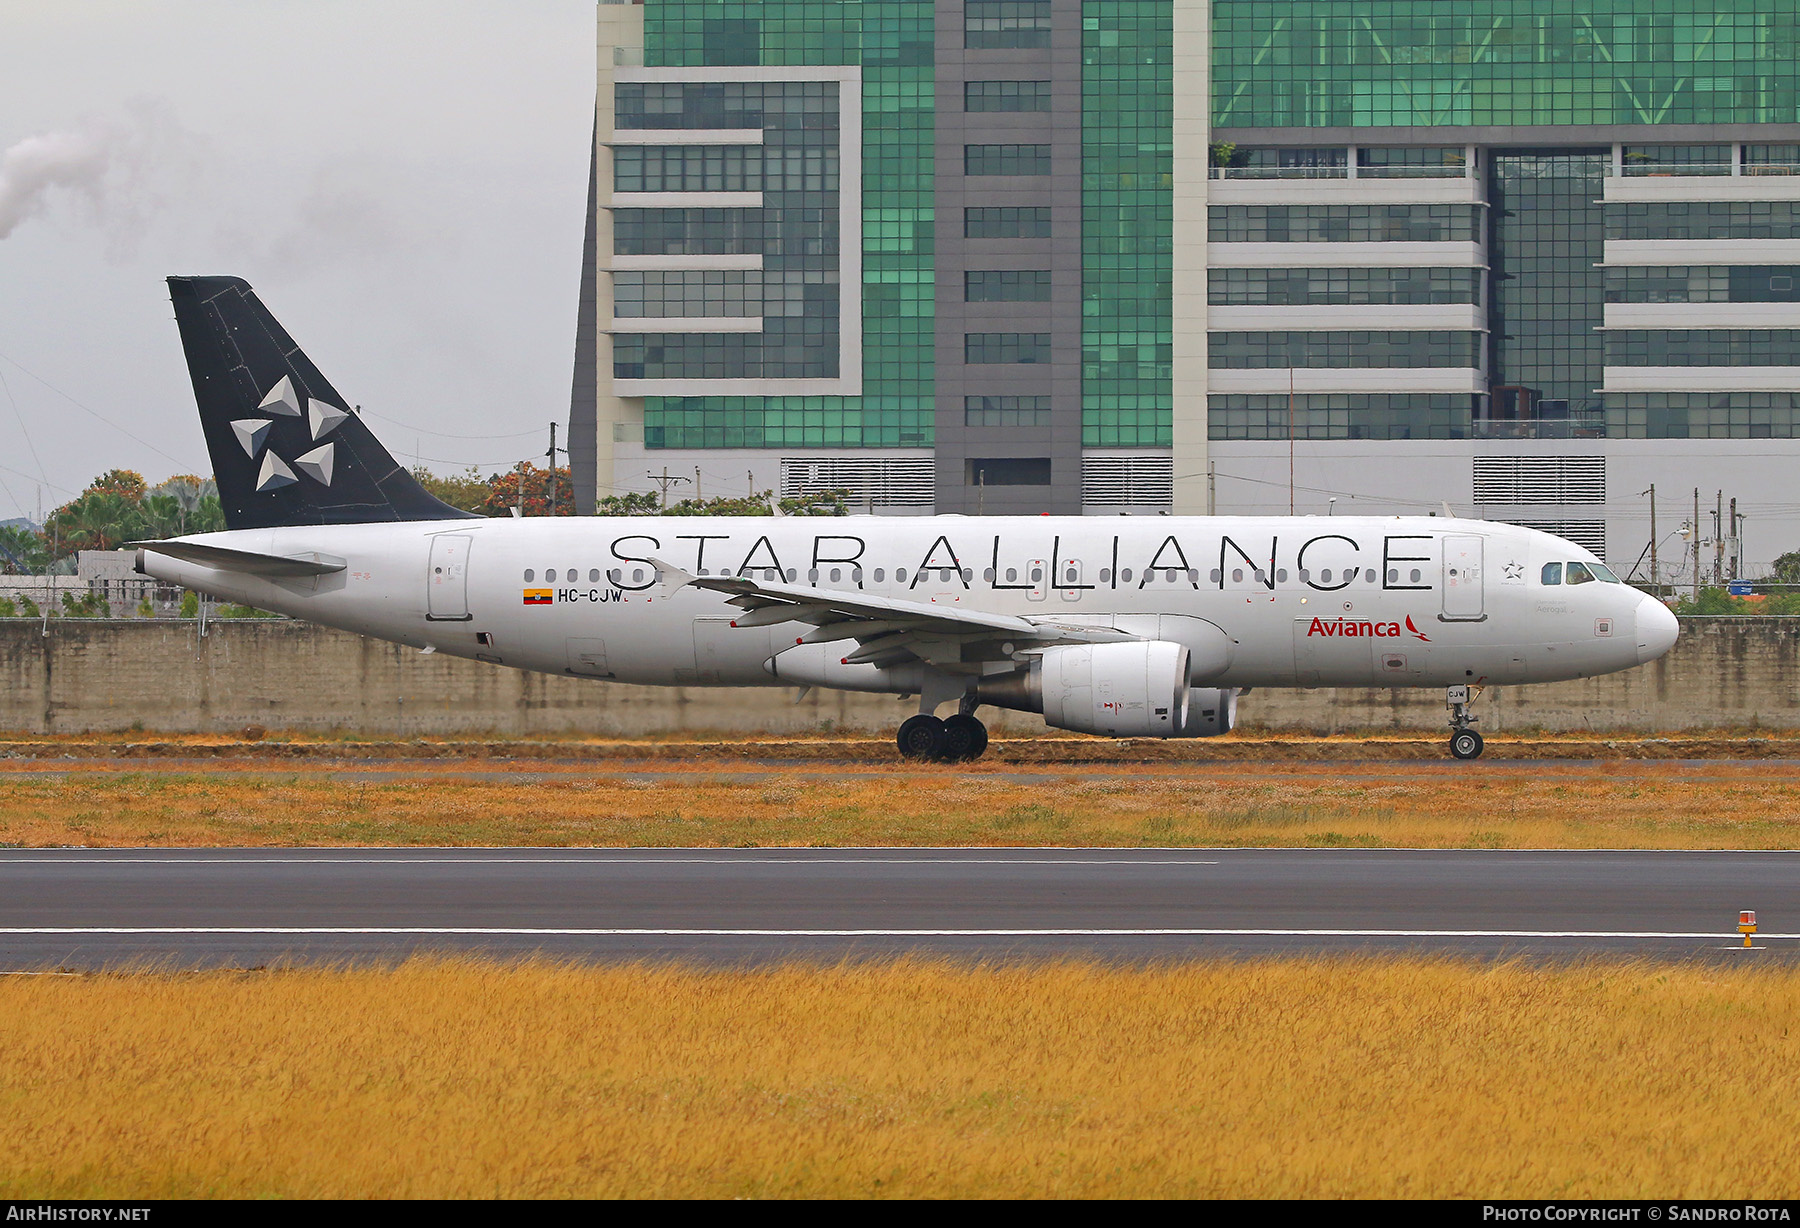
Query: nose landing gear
[1465, 743]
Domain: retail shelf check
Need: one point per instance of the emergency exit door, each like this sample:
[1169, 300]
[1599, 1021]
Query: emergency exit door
[447, 579]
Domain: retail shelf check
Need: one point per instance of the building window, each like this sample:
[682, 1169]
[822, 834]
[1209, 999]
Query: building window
[1006, 347]
[1006, 223]
[1010, 471]
[1268, 351]
[1006, 411]
[1321, 287]
[1715, 283]
[1006, 23]
[1340, 416]
[1006, 95]
[1704, 219]
[1006, 286]
[1703, 347]
[1343, 223]
[725, 168]
[1006, 159]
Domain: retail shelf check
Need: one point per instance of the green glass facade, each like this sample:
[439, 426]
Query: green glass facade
[1434, 63]
[1545, 246]
[892, 40]
[1127, 222]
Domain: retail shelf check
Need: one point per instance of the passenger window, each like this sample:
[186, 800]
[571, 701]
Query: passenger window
[550, 576]
[1281, 575]
[1012, 573]
[1552, 573]
[593, 575]
[880, 574]
[637, 575]
[900, 574]
[837, 573]
[987, 574]
[1237, 575]
[791, 574]
[1579, 574]
[530, 574]
[1369, 576]
[1037, 575]
[1125, 575]
[1414, 573]
[1324, 576]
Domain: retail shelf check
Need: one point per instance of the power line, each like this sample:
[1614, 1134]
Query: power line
[87, 410]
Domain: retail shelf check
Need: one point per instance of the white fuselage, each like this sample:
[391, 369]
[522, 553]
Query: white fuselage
[1308, 601]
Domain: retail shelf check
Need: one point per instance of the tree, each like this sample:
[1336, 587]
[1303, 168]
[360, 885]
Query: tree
[1787, 569]
[632, 503]
[97, 520]
[127, 483]
[22, 551]
[529, 485]
[467, 491]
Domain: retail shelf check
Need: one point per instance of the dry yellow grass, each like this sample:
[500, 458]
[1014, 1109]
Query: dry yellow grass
[1622, 805]
[1311, 1078]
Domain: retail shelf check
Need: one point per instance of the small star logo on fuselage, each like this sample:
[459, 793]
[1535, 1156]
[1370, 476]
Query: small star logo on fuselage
[1515, 571]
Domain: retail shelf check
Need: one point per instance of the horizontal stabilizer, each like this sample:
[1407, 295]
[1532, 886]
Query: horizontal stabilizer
[247, 561]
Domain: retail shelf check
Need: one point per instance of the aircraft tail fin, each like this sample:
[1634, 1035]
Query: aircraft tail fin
[286, 448]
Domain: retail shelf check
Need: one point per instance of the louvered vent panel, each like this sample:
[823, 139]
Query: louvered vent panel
[1127, 481]
[1540, 479]
[1588, 534]
[881, 481]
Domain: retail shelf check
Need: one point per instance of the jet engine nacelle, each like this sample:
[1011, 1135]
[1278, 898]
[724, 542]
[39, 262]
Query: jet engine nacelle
[1133, 690]
[1211, 711]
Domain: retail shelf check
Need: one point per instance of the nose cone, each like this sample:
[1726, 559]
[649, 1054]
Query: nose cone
[1656, 629]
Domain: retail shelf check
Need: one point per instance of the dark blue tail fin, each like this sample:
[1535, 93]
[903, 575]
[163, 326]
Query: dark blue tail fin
[286, 448]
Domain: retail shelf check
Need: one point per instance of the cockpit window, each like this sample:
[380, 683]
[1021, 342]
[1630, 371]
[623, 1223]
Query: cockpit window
[1579, 574]
[1552, 573]
[1601, 572]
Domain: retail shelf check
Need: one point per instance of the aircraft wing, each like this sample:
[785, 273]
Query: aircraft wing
[887, 630]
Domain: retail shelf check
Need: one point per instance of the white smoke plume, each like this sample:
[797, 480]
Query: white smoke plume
[108, 168]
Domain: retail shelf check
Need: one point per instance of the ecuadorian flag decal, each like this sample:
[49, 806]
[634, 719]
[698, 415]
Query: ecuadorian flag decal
[539, 596]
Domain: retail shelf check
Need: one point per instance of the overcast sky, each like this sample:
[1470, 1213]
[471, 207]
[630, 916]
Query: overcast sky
[401, 180]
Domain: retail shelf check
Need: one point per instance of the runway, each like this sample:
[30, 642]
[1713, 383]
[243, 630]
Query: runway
[83, 909]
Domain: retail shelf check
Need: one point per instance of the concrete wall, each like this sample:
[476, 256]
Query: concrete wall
[94, 675]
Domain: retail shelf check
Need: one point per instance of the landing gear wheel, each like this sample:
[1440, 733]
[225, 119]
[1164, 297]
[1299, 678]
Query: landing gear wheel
[921, 737]
[964, 739]
[1465, 744]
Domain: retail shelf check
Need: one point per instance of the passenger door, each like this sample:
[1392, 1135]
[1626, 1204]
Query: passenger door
[1463, 579]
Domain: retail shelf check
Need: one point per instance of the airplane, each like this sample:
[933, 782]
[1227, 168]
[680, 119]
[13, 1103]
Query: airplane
[1124, 627]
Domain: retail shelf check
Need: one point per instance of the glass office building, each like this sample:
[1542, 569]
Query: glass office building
[1000, 256]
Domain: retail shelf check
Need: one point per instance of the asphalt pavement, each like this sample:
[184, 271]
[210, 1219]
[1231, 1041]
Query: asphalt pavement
[79, 909]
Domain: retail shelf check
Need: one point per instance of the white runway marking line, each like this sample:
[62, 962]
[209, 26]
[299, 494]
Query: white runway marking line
[632, 932]
[731, 862]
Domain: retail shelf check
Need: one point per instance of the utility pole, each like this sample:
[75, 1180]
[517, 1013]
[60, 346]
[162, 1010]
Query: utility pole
[663, 482]
[1737, 543]
[551, 454]
[697, 495]
[1719, 539]
[1696, 543]
[1652, 493]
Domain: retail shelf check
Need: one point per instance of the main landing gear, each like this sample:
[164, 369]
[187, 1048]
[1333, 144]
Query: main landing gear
[1465, 743]
[955, 740]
